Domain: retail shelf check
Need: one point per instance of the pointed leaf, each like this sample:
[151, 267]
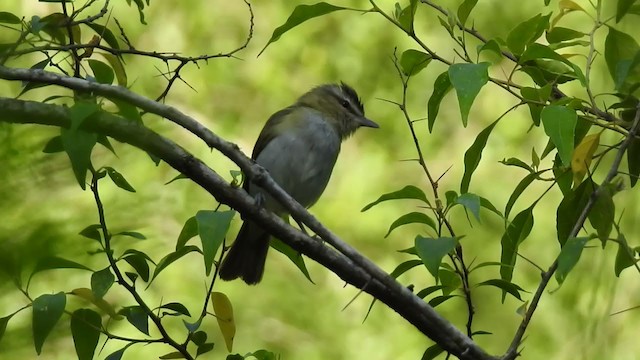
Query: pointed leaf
[212, 228]
[569, 256]
[412, 218]
[526, 33]
[470, 202]
[468, 79]
[224, 314]
[167, 260]
[54, 262]
[9, 18]
[118, 68]
[189, 230]
[408, 192]
[623, 8]
[87, 294]
[473, 155]
[515, 233]
[117, 355]
[432, 352]
[441, 87]
[177, 307]
[139, 263]
[47, 310]
[431, 251]
[413, 61]
[505, 286]
[560, 124]
[404, 267]
[101, 71]
[299, 15]
[296, 258]
[92, 232]
[78, 145]
[522, 185]
[582, 156]
[465, 9]
[633, 161]
[137, 317]
[570, 208]
[602, 214]
[101, 282]
[54, 145]
[559, 34]
[620, 49]
[624, 257]
[119, 180]
[85, 329]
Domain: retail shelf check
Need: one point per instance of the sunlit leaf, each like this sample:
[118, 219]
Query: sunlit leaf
[558, 34]
[413, 61]
[189, 230]
[465, 9]
[470, 202]
[224, 314]
[526, 33]
[559, 124]
[212, 228]
[87, 294]
[468, 79]
[582, 156]
[431, 251]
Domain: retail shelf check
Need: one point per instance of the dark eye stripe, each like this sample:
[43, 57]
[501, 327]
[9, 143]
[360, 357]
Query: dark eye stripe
[345, 102]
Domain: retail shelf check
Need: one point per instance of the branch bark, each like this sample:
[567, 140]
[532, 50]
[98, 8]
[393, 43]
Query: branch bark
[348, 264]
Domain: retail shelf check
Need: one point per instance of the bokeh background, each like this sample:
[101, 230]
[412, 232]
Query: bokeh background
[42, 209]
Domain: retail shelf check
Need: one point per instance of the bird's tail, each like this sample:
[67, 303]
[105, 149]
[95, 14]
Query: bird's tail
[247, 255]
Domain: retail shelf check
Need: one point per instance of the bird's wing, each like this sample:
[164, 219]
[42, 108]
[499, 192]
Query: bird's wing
[275, 121]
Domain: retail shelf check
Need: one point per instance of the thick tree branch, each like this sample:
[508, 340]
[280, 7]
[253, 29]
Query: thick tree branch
[387, 290]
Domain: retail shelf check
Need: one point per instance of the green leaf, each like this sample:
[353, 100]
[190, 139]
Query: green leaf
[47, 310]
[189, 230]
[602, 214]
[3, 324]
[177, 307]
[413, 61]
[28, 85]
[102, 72]
[468, 79]
[569, 256]
[138, 261]
[91, 232]
[465, 9]
[412, 218]
[515, 233]
[485, 203]
[431, 251]
[212, 228]
[80, 111]
[54, 262]
[559, 34]
[449, 279]
[133, 234]
[9, 18]
[118, 68]
[517, 163]
[136, 317]
[404, 267]
[526, 33]
[439, 300]
[85, 329]
[204, 348]
[537, 53]
[117, 355]
[559, 124]
[119, 180]
[491, 45]
[570, 208]
[167, 260]
[441, 87]
[101, 282]
[299, 15]
[624, 256]
[428, 290]
[408, 192]
[106, 34]
[623, 8]
[296, 258]
[432, 352]
[522, 185]
[78, 144]
[471, 202]
[505, 286]
[620, 50]
[54, 145]
[177, 177]
[405, 16]
[535, 96]
[473, 155]
[633, 161]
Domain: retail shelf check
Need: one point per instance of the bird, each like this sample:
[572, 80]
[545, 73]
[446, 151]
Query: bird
[298, 146]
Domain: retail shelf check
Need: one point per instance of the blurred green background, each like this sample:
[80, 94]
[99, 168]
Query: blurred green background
[42, 209]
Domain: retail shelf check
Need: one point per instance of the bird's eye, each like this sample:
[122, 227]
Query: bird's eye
[344, 103]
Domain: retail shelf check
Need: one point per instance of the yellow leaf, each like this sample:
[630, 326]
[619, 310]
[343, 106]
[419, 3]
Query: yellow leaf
[87, 294]
[569, 5]
[582, 155]
[224, 313]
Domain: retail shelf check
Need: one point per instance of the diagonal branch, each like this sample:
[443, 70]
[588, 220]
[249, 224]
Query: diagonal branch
[367, 277]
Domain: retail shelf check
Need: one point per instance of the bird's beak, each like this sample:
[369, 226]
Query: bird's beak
[368, 123]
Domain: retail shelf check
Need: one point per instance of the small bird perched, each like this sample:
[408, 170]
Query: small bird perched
[298, 146]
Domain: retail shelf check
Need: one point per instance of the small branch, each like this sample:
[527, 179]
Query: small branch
[74, 52]
[91, 18]
[121, 280]
[512, 352]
